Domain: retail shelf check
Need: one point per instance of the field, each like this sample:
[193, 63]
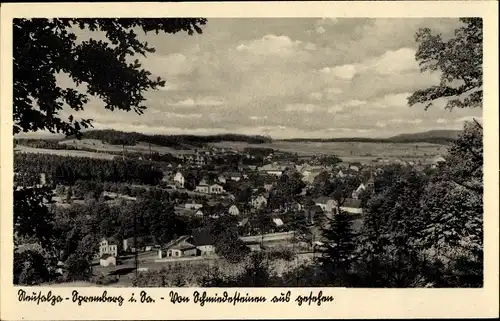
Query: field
[141, 147]
[361, 152]
[63, 152]
[349, 151]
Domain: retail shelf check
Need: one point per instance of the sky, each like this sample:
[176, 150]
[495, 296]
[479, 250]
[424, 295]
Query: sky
[288, 78]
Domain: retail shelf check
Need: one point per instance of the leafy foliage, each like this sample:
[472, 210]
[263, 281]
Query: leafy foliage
[44, 48]
[460, 60]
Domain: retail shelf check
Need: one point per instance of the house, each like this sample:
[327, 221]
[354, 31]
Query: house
[295, 206]
[216, 189]
[352, 206]
[107, 260]
[233, 210]
[273, 169]
[182, 249]
[108, 247]
[331, 205]
[222, 179]
[357, 192]
[254, 246]
[243, 222]
[437, 161]
[199, 213]
[309, 173]
[268, 186]
[326, 203]
[370, 183]
[202, 188]
[193, 206]
[163, 250]
[340, 174]
[354, 168]
[278, 222]
[234, 176]
[259, 201]
[203, 241]
[179, 179]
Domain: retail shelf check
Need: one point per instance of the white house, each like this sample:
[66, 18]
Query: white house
[107, 260]
[233, 210]
[358, 191]
[221, 179]
[179, 179]
[436, 161]
[259, 201]
[199, 213]
[193, 206]
[216, 189]
[278, 222]
[202, 188]
[105, 247]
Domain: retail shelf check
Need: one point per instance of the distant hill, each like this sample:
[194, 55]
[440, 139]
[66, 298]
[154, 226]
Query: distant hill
[431, 136]
[175, 141]
[446, 135]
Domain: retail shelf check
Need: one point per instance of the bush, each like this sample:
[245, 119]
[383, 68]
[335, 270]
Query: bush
[106, 280]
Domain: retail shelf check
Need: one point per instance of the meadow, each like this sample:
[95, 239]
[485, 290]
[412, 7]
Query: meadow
[362, 152]
[141, 147]
[64, 152]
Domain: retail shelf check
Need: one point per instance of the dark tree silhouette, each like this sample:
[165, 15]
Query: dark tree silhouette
[44, 48]
[460, 60]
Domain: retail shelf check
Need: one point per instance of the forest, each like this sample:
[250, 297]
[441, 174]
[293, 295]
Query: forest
[68, 170]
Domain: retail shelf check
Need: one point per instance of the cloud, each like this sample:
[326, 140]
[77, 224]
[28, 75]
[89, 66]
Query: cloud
[468, 119]
[380, 124]
[322, 24]
[392, 100]
[272, 45]
[441, 121]
[257, 117]
[172, 64]
[306, 108]
[405, 121]
[335, 109]
[401, 60]
[354, 103]
[345, 72]
[189, 102]
[316, 96]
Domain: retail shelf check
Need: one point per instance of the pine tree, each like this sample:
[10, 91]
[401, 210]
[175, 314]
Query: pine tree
[338, 254]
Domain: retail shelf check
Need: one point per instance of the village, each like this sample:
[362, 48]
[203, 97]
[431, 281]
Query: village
[212, 196]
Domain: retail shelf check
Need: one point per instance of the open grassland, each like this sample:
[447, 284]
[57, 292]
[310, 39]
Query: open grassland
[63, 152]
[349, 151]
[141, 147]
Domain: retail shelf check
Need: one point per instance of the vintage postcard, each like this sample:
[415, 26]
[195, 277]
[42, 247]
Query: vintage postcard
[249, 160]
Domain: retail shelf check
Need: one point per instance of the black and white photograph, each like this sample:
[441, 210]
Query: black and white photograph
[248, 152]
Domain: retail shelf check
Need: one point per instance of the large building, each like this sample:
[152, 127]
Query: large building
[108, 247]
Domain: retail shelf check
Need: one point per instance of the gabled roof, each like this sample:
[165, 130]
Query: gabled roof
[278, 221]
[184, 245]
[351, 202]
[322, 199]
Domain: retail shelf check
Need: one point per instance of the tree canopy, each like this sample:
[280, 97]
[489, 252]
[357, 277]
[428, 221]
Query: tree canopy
[460, 61]
[44, 48]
